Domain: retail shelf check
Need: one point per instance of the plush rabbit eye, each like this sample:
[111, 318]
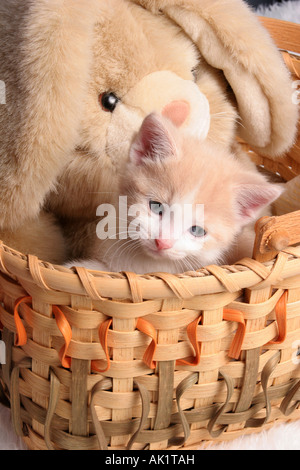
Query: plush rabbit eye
[108, 101]
[197, 231]
[156, 207]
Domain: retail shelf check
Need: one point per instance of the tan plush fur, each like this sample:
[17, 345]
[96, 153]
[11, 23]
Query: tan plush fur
[43, 46]
[40, 236]
[39, 121]
[61, 151]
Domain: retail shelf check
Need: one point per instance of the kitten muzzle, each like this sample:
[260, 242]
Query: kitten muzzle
[163, 244]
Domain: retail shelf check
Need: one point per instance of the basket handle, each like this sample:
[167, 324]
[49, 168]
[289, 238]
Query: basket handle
[286, 36]
[274, 234]
[284, 33]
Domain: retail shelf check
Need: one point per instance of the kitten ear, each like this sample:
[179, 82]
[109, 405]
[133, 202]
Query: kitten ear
[252, 198]
[154, 140]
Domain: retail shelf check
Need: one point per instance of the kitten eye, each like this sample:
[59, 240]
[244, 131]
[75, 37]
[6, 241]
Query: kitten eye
[156, 207]
[197, 231]
[108, 101]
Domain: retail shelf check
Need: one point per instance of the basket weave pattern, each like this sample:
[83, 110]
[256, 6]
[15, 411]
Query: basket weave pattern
[213, 397]
[116, 361]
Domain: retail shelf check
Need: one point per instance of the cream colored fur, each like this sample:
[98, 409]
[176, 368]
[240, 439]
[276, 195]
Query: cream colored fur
[60, 151]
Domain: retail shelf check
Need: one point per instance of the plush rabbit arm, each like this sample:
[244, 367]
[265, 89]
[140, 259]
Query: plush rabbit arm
[231, 38]
[44, 65]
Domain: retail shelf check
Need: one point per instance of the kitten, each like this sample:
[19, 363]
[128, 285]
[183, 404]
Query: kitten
[190, 204]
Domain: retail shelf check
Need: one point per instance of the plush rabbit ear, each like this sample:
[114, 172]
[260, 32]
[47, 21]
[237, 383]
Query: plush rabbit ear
[230, 37]
[43, 45]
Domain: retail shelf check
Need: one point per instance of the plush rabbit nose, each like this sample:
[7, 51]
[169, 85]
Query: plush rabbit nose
[163, 92]
[177, 112]
[163, 244]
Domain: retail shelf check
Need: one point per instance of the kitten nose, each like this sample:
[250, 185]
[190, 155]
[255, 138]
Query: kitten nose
[163, 244]
[177, 112]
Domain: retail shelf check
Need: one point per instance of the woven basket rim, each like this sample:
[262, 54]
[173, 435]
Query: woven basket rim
[246, 273]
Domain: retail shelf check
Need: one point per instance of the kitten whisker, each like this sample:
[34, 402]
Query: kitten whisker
[117, 242]
[125, 248]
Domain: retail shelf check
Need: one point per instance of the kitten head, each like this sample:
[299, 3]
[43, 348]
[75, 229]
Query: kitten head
[188, 200]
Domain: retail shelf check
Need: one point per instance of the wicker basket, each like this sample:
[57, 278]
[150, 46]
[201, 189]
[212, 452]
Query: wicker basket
[119, 361]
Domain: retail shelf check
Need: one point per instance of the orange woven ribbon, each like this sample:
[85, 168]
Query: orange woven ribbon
[66, 331]
[149, 330]
[103, 334]
[61, 321]
[192, 335]
[145, 327]
[236, 346]
[234, 352]
[281, 318]
[21, 336]
[237, 343]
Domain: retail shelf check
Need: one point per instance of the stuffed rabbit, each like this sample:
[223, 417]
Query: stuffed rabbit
[80, 78]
